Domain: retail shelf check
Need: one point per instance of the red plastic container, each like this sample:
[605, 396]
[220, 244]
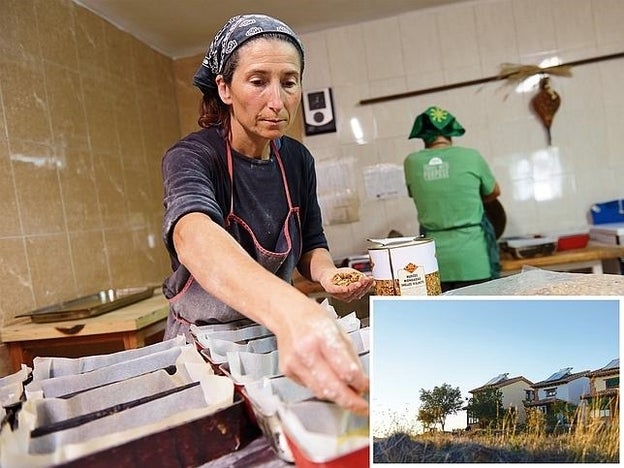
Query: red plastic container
[572, 241]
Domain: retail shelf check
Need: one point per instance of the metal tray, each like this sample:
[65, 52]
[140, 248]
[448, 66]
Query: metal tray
[90, 306]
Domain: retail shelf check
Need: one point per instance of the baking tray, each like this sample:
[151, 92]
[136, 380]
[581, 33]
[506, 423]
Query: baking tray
[192, 443]
[531, 247]
[90, 306]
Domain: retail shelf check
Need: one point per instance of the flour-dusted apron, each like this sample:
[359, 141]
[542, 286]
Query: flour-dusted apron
[190, 304]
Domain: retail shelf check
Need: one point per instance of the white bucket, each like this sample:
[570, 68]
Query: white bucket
[405, 266]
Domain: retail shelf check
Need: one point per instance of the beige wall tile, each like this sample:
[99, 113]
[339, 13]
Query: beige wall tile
[80, 200]
[99, 97]
[187, 95]
[65, 104]
[145, 68]
[90, 261]
[118, 53]
[17, 293]
[124, 269]
[91, 43]
[111, 188]
[51, 269]
[9, 216]
[137, 196]
[127, 118]
[37, 184]
[152, 257]
[24, 100]
[17, 28]
[55, 28]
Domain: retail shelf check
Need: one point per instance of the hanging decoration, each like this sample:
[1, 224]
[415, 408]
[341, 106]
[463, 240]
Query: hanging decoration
[545, 104]
[547, 101]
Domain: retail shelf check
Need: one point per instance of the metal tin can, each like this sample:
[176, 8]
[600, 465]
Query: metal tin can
[405, 266]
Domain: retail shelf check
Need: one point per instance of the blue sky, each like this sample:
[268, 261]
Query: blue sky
[425, 342]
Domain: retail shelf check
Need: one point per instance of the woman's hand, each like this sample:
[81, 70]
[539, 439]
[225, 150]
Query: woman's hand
[346, 284]
[315, 352]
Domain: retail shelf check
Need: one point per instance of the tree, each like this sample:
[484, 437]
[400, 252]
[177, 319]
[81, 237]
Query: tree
[439, 403]
[486, 406]
[427, 418]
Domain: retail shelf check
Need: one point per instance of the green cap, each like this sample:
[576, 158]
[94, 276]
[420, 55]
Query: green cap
[435, 122]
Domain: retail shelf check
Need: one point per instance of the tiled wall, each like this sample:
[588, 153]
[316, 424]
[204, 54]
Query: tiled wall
[543, 189]
[86, 112]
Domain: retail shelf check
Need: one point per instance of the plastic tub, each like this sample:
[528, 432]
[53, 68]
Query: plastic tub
[572, 241]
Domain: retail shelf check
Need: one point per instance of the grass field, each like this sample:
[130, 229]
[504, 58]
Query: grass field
[588, 440]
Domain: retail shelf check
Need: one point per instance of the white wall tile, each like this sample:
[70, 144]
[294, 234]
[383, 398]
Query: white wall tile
[608, 20]
[457, 31]
[384, 58]
[424, 80]
[420, 43]
[353, 118]
[535, 28]
[347, 56]
[460, 74]
[387, 86]
[392, 119]
[316, 73]
[464, 42]
[574, 28]
[495, 35]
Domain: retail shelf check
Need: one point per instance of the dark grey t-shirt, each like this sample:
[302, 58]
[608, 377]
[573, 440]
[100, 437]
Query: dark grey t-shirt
[196, 179]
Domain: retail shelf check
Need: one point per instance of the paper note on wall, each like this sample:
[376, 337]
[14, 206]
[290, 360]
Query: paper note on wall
[337, 196]
[384, 181]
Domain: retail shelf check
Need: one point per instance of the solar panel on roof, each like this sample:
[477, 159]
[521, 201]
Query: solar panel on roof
[613, 364]
[497, 379]
[560, 374]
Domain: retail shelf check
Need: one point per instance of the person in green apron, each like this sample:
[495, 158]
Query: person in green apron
[449, 185]
[241, 212]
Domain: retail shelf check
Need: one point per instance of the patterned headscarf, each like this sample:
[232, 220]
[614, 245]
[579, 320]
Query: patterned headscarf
[434, 122]
[232, 35]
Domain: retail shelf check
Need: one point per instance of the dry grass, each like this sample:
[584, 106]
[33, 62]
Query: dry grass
[589, 440]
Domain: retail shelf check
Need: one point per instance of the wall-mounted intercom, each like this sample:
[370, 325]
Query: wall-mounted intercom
[318, 112]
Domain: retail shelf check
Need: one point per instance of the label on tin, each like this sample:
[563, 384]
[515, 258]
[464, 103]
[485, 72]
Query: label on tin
[412, 281]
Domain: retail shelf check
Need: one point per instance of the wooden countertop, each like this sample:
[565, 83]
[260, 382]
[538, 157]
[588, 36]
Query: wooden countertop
[592, 252]
[130, 318]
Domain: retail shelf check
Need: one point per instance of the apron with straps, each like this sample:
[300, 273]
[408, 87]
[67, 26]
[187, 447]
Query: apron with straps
[191, 304]
[490, 241]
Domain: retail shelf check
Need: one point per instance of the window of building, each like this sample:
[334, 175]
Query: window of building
[529, 395]
[551, 392]
[604, 412]
[613, 382]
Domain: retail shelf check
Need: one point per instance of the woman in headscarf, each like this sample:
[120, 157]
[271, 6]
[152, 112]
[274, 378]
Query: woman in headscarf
[241, 212]
[449, 185]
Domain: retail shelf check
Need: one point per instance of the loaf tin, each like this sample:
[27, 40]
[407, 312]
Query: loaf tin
[322, 435]
[192, 443]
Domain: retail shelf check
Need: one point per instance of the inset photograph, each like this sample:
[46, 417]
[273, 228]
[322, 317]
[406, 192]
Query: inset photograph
[495, 380]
